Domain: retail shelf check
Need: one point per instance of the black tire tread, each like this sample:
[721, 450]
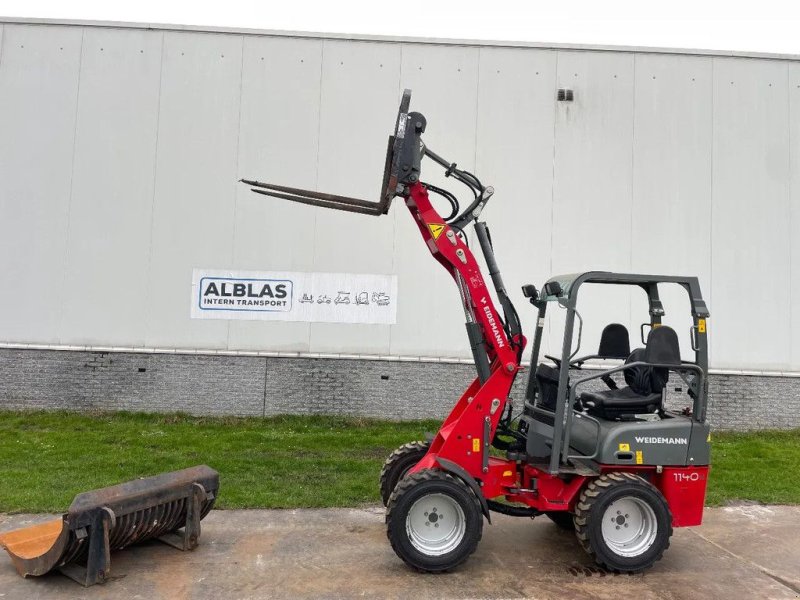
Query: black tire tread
[590, 495]
[404, 486]
[397, 455]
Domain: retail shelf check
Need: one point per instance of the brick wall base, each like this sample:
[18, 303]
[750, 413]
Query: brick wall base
[258, 386]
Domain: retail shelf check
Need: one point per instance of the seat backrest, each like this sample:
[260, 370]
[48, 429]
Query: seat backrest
[547, 381]
[614, 342]
[638, 378]
[662, 348]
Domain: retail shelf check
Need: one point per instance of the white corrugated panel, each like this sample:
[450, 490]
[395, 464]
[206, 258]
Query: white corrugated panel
[120, 161]
[359, 98]
[38, 97]
[195, 182]
[794, 199]
[593, 184]
[671, 219]
[110, 215]
[750, 214]
[444, 81]
[278, 143]
[516, 112]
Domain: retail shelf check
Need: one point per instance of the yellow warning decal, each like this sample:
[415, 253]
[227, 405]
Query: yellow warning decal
[701, 325]
[639, 457]
[507, 473]
[436, 229]
[476, 444]
[624, 447]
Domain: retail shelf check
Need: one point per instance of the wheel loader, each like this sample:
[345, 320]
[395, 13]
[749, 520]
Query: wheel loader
[595, 450]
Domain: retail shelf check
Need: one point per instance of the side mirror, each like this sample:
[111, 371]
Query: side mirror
[530, 291]
[553, 288]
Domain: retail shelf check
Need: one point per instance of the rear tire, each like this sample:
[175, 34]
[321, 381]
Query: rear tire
[563, 519]
[434, 521]
[623, 522]
[399, 464]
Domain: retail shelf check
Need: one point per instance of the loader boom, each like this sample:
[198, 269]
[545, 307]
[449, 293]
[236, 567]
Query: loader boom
[496, 342]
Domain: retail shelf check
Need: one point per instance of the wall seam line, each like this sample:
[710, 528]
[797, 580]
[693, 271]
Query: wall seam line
[155, 187]
[790, 211]
[556, 114]
[236, 180]
[315, 210]
[632, 182]
[711, 203]
[65, 260]
[394, 213]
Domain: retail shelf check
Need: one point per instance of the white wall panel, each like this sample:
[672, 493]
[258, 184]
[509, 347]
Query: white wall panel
[112, 188]
[671, 218]
[278, 142]
[359, 99]
[444, 82]
[593, 182]
[38, 95]
[516, 113]
[196, 180]
[750, 225]
[119, 169]
[794, 199]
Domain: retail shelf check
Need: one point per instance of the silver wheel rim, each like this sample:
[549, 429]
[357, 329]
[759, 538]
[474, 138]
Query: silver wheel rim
[435, 524]
[629, 526]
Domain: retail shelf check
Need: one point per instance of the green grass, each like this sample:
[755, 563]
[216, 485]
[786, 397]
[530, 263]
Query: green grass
[287, 462]
[762, 466]
[281, 462]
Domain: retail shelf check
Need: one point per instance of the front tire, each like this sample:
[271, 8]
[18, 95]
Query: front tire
[399, 464]
[434, 521]
[623, 522]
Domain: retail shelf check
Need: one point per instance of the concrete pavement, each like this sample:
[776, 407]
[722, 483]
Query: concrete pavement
[739, 552]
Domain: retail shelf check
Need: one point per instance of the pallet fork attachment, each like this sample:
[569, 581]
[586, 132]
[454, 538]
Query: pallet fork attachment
[167, 507]
[395, 154]
[318, 198]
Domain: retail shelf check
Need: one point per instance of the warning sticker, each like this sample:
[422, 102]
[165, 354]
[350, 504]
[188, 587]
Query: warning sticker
[476, 445]
[701, 325]
[639, 457]
[436, 229]
[624, 447]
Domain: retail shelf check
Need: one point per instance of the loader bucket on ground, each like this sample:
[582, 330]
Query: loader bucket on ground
[79, 543]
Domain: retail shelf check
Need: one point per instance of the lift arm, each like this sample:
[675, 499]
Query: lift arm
[496, 342]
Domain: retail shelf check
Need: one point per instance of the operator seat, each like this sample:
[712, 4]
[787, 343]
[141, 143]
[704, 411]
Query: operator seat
[644, 392]
[614, 342]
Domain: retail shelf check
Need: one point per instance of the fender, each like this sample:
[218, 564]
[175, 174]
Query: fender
[451, 467]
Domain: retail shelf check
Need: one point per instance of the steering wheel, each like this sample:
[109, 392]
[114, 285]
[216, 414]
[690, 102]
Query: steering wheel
[555, 360]
[572, 365]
